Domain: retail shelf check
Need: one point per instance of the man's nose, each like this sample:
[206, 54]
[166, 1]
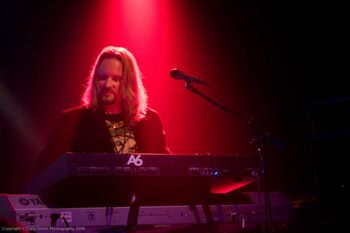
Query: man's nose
[109, 82]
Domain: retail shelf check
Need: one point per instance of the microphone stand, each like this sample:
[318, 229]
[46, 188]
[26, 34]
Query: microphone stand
[260, 140]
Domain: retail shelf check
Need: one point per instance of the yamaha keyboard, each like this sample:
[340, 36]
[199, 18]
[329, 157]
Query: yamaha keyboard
[86, 178]
[32, 213]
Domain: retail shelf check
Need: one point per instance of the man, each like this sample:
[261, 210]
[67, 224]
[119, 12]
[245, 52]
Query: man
[114, 117]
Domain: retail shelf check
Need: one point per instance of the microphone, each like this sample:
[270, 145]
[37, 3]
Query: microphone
[177, 74]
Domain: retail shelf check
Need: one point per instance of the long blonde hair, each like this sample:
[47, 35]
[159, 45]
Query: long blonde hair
[133, 91]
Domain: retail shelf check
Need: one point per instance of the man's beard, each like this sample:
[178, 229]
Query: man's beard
[108, 98]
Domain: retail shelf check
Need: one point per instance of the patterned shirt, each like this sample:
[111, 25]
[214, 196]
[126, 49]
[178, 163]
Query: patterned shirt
[122, 136]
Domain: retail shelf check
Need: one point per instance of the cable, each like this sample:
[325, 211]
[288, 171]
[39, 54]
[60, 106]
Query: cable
[54, 218]
[67, 225]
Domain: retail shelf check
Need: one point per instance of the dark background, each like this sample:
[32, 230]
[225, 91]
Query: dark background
[289, 65]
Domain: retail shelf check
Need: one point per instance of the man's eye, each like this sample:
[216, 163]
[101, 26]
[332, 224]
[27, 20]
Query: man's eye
[116, 78]
[102, 77]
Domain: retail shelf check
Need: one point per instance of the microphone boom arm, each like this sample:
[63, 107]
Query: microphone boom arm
[190, 87]
[260, 139]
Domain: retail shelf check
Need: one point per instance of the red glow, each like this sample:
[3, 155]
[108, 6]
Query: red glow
[227, 184]
[163, 35]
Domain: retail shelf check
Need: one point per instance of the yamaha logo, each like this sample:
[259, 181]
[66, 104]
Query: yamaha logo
[24, 201]
[30, 201]
[91, 217]
[137, 161]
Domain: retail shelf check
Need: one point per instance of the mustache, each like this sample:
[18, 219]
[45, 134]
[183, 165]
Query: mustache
[108, 90]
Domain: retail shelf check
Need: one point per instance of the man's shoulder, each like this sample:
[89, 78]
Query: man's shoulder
[151, 113]
[75, 109]
[151, 117]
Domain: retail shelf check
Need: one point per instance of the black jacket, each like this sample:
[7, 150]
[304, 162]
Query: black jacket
[81, 130]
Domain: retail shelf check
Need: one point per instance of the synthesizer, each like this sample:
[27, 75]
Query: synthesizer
[143, 164]
[33, 214]
[162, 178]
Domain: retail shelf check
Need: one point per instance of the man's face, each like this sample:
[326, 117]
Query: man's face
[109, 76]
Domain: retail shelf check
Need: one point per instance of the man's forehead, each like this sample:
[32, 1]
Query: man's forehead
[110, 65]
